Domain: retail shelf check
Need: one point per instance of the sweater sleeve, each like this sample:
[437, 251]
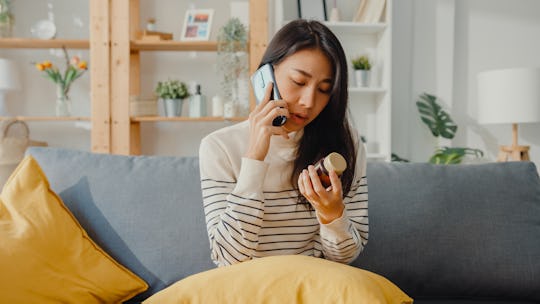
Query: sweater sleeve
[344, 238]
[233, 205]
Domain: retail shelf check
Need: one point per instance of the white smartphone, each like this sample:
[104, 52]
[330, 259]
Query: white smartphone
[260, 81]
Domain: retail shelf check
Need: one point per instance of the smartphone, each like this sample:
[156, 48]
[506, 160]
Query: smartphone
[260, 81]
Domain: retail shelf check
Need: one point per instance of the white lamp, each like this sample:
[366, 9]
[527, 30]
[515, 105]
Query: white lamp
[509, 96]
[9, 81]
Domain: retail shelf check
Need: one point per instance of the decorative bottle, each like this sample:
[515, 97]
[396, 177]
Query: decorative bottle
[197, 103]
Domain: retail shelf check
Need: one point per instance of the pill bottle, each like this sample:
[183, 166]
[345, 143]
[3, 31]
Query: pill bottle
[333, 161]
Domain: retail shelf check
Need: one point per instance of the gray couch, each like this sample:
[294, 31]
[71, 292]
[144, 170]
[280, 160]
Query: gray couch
[443, 234]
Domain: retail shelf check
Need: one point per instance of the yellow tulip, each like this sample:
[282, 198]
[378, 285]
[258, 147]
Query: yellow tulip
[40, 66]
[83, 65]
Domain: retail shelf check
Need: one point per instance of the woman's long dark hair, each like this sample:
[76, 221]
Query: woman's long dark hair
[330, 131]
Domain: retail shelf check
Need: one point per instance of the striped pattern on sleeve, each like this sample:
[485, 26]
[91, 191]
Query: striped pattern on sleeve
[233, 222]
[345, 238]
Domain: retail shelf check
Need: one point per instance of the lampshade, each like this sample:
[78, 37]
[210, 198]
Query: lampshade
[9, 76]
[509, 96]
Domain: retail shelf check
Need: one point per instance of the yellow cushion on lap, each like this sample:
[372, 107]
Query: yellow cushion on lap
[46, 256]
[283, 279]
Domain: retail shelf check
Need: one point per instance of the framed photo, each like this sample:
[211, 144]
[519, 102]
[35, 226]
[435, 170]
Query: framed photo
[197, 25]
[312, 9]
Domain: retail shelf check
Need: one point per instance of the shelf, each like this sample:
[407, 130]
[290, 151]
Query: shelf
[183, 118]
[360, 91]
[376, 156]
[172, 45]
[46, 118]
[367, 90]
[356, 27]
[32, 43]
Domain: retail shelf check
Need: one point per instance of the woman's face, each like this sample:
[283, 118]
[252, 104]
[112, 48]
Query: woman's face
[304, 80]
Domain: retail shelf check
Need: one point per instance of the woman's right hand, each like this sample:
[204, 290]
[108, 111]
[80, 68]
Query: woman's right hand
[260, 125]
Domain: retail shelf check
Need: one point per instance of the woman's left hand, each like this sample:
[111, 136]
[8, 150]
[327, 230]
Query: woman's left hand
[328, 202]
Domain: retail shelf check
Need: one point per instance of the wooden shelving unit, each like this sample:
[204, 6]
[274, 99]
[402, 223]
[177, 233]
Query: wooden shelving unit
[115, 67]
[183, 118]
[125, 53]
[99, 46]
[48, 118]
[32, 43]
[170, 45]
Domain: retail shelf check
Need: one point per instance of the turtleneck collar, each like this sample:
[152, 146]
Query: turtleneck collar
[286, 148]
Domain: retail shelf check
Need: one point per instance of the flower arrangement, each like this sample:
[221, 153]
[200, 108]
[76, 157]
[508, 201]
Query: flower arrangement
[361, 63]
[75, 68]
[172, 89]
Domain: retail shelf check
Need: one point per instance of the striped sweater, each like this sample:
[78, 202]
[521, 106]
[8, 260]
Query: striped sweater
[251, 207]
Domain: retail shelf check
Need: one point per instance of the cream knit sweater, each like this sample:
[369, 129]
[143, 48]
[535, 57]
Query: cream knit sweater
[251, 207]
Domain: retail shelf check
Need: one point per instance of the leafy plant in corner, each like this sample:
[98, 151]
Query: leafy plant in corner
[440, 124]
[361, 63]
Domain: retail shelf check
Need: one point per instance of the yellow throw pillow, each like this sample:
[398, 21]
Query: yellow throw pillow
[46, 256]
[283, 279]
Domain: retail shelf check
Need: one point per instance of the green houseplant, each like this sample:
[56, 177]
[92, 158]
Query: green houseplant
[6, 19]
[232, 66]
[361, 63]
[172, 93]
[361, 66]
[440, 124]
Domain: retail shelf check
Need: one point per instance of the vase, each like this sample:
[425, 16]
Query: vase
[173, 107]
[362, 78]
[63, 103]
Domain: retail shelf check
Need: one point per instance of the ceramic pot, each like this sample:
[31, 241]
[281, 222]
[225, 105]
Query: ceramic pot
[173, 107]
[362, 78]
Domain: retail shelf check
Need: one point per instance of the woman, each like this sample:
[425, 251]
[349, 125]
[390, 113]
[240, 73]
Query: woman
[261, 194]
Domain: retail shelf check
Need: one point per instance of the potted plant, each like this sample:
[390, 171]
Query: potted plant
[440, 125]
[6, 18]
[172, 93]
[232, 68]
[361, 66]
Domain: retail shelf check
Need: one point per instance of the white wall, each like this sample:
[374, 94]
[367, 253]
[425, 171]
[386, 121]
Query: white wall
[481, 35]
[438, 47]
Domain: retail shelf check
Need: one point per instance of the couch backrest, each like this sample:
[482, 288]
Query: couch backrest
[145, 211]
[455, 231]
[435, 231]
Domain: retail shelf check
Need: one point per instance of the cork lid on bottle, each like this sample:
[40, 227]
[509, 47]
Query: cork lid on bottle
[334, 161]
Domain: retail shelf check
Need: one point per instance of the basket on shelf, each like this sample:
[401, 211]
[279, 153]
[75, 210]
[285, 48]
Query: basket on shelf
[143, 106]
[14, 139]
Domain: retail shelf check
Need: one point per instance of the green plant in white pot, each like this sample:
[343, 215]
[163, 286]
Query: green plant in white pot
[232, 67]
[172, 93]
[362, 67]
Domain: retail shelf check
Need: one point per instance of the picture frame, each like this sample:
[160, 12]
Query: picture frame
[312, 9]
[197, 25]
